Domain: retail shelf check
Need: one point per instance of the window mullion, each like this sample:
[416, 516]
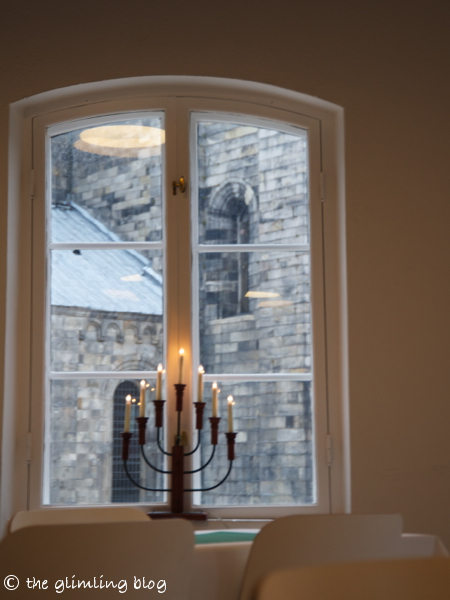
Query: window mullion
[179, 273]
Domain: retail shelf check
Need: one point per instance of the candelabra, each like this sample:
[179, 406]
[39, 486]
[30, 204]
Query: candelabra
[177, 455]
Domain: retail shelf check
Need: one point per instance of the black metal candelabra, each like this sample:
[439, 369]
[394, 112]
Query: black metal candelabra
[177, 455]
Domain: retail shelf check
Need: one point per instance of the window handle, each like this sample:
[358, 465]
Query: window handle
[180, 184]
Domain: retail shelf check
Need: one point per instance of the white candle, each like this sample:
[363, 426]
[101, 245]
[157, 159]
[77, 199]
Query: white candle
[215, 400]
[126, 425]
[159, 381]
[201, 370]
[180, 366]
[230, 413]
[142, 399]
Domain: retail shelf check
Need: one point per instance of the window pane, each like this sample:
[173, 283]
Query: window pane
[111, 176]
[274, 450]
[84, 446]
[255, 312]
[106, 310]
[253, 185]
[255, 307]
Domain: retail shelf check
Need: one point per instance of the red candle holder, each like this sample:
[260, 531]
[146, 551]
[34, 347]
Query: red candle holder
[214, 430]
[142, 424]
[159, 405]
[126, 437]
[179, 390]
[199, 408]
[231, 436]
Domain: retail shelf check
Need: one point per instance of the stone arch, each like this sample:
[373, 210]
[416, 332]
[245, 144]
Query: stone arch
[231, 213]
[96, 326]
[107, 325]
[143, 363]
[151, 330]
[230, 218]
[135, 331]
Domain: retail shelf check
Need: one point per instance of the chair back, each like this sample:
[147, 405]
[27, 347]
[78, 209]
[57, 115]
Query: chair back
[106, 558]
[412, 579]
[61, 516]
[302, 540]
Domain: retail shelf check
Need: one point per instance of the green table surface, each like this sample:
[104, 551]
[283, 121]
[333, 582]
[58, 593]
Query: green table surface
[220, 537]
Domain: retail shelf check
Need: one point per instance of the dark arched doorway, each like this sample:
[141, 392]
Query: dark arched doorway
[122, 488]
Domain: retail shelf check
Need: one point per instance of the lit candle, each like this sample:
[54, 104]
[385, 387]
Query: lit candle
[215, 400]
[180, 366]
[201, 370]
[142, 399]
[159, 382]
[230, 413]
[126, 425]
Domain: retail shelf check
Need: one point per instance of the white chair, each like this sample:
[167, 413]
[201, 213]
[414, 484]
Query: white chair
[303, 540]
[61, 516]
[121, 553]
[413, 579]
[218, 570]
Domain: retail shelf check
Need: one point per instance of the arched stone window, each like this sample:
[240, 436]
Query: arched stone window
[122, 490]
[228, 216]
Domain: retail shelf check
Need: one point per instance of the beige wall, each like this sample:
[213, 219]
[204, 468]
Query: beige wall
[386, 63]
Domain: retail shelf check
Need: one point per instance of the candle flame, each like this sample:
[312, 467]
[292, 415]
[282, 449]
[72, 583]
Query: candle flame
[128, 399]
[214, 385]
[160, 367]
[201, 369]
[230, 400]
[181, 352]
[143, 383]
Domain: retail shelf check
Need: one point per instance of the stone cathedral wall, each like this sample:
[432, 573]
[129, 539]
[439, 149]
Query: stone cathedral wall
[274, 447]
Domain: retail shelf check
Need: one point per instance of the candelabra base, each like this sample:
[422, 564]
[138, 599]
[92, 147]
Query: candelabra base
[191, 516]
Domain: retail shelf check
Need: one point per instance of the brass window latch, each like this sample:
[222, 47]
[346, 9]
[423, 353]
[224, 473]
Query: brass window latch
[181, 183]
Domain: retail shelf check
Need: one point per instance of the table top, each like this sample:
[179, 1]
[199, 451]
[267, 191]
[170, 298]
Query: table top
[221, 536]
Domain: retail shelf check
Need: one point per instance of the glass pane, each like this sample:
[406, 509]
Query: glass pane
[255, 312]
[109, 176]
[253, 185]
[274, 449]
[106, 310]
[84, 448]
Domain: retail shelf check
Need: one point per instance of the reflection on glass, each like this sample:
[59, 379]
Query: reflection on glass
[106, 310]
[255, 312]
[253, 185]
[112, 174]
[274, 449]
[85, 444]
[138, 141]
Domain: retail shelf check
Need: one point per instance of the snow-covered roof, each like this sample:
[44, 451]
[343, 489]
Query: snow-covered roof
[108, 280]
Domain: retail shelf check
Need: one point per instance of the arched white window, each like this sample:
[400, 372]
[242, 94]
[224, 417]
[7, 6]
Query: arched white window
[244, 269]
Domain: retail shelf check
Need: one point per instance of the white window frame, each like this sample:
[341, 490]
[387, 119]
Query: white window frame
[23, 419]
